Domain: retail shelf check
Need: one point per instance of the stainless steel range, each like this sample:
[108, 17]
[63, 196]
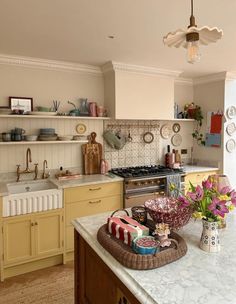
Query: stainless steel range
[147, 182]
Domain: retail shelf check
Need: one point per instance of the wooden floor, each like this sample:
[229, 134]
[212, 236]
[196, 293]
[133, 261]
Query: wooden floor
[47, 286]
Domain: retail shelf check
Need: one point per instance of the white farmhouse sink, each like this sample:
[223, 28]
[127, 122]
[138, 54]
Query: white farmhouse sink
[30, 186]
[31, 196]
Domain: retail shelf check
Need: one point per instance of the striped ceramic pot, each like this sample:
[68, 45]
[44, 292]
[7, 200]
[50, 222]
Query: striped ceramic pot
[210, 237]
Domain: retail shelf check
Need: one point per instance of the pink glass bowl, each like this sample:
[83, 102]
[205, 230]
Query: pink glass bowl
[166, 210]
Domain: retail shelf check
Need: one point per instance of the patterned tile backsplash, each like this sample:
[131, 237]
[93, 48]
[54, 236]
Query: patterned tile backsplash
[135, 152]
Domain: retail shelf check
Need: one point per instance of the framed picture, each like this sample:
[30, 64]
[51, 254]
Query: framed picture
[21, 105]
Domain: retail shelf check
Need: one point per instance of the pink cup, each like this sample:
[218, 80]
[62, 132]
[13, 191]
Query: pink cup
[100, 111]
[93, 109]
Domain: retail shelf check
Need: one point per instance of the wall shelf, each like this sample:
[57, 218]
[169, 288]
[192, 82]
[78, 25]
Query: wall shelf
[41, 142]
[55, 117]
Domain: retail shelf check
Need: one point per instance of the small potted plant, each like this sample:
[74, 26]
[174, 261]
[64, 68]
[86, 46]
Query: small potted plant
[195, 112]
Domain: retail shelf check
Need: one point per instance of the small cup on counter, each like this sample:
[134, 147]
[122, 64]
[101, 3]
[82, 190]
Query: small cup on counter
[139, 213]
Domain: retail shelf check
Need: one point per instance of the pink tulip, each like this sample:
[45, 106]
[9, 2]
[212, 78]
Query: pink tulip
[233, 197]
[183, 202]
[225, 190]
[197, 195]
[218, 207]
[207, 184]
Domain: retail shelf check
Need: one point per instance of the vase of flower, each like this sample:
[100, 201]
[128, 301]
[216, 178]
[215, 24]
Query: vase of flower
[210, 202]
[210, 241]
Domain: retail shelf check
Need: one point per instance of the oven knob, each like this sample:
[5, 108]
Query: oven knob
[152, 182]
[158, 182]
[137, 183]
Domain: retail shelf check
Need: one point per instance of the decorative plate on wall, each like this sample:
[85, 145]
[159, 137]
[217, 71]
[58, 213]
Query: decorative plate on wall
[231, 112]
[230, 145]
[176, 127]
[166, 131]
[80, 128]
[176, 140]
[231, 128]
[148, 137]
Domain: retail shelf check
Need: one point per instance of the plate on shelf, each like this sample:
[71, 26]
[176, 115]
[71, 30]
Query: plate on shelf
[176, 140]
[41, 113]
[165, 131]
[230, 145]
[80, 128]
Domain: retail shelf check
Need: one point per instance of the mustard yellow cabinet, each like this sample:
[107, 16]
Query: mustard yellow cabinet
[89, 200]
[197, 178]
[18, 239]
[32, 237]
[48, 233]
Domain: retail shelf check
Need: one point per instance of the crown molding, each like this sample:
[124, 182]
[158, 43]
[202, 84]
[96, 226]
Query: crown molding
[222, 76]
[184, 81]
[117, 66]
[46, 64]
[230, 75]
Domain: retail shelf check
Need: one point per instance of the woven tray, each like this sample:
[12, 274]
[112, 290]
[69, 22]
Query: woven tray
[124, 254]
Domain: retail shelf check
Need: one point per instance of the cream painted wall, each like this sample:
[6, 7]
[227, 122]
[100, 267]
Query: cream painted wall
[183, 94]
[230, 158]
[142, 96]
[45, 86]
[48, 85]
[210, 96]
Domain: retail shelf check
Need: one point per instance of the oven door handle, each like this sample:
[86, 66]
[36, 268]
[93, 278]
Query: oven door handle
[135, 196]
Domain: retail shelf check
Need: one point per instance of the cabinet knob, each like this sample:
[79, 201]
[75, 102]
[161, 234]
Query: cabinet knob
[32, 224]
[36, 224]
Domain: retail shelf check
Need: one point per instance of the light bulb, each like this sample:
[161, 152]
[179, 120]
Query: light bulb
[193, 53]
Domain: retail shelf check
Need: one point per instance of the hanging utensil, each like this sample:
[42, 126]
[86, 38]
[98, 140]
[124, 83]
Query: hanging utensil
[129, 138]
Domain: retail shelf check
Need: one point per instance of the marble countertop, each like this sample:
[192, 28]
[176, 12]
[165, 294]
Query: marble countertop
[196, 278]
[82, 181]
[86, 180]
[198, 168]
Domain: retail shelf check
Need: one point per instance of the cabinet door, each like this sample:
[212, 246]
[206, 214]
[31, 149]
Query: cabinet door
[18, 236]
[48, 233]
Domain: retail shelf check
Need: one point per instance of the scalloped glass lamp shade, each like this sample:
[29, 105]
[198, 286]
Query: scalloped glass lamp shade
[192, 37]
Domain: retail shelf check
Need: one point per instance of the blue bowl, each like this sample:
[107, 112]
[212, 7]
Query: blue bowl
[47, 131]
[144, 249]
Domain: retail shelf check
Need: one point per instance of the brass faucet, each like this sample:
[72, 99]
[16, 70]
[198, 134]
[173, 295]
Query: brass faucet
[27, 169]
[45, 165]
[28, 159]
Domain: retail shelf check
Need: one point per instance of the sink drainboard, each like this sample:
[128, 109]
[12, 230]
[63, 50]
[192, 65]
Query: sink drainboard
[29, 202]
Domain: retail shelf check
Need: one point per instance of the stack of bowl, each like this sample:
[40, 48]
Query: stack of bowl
[47, 134]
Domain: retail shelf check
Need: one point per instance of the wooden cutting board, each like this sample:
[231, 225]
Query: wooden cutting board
[92, 155]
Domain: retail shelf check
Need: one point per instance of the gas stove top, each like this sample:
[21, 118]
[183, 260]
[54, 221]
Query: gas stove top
[145, 171]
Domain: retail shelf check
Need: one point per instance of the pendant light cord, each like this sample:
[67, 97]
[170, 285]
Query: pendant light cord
[192, 18]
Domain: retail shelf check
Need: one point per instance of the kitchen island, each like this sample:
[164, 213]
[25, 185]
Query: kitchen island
[196, 278]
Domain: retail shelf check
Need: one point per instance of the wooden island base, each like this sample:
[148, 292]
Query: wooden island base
[95, 283]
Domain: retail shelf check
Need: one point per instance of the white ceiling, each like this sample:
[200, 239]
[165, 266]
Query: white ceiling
[77, 30]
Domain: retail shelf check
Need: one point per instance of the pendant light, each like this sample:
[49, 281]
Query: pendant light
[192, 38]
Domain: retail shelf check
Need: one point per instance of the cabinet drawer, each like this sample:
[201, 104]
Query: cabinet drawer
[92, 206]
[93, 191]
